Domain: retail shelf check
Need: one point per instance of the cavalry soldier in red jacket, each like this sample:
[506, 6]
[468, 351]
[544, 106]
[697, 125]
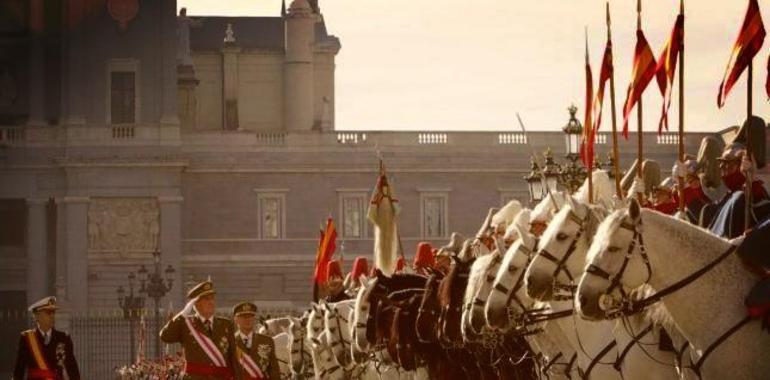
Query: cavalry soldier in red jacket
[44, 352]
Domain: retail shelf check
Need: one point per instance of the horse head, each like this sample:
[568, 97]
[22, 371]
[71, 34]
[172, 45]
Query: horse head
[614, 264]
[451, 293]
[561, 251]
[508, 294]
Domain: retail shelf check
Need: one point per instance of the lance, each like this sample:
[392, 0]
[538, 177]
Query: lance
[534, 157]
[640, 145]
[681, 106]
[615, 154]
[588, 133]
[749, 176]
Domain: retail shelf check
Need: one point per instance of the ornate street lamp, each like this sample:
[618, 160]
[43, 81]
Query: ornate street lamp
[132, 306]
[154, 285]
[552, 170]
[534, 182]
[572, 133]
[572, 173]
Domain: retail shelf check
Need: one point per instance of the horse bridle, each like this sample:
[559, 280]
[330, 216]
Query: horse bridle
[628, 306]
[614, 280]
[561, 264]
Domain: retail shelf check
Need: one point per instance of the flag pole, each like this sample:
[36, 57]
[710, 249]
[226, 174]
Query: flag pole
[639, 119]
[615, 158]
[588, 133]
[681, 106]
[749, 177]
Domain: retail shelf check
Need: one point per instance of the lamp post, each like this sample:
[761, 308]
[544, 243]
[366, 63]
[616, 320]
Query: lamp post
[534, 182]
[132, 306]
[155, 287]
[572, 174]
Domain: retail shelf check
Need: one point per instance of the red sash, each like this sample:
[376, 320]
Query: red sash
[41, 374]
[208, 370]
[251, 368]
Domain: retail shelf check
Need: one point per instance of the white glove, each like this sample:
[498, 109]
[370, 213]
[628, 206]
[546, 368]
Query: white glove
[637, 187]
[679, 170]
[747, 165]
[188, 310]
[681, 216]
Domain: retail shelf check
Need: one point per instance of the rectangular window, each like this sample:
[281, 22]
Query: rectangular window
[123, 97]
[353, 215]
[271, 215]
[434, 215]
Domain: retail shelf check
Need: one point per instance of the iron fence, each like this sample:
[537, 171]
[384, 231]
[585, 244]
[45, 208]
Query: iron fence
[102, 338]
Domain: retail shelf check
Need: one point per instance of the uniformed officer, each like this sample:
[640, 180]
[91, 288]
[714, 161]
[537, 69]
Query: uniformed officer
[45, 353]
[255, 353]
[207, 340]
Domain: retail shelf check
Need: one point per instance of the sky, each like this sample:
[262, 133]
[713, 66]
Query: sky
[472, 65]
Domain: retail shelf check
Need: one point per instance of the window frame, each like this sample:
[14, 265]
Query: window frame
[263, 194]
[444, 196]
[361, 194]
[123, 65]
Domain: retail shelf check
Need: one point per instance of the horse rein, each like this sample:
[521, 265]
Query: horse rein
[561, 264]
[630, 307]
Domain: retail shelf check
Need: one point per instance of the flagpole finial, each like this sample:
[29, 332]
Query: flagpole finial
[639, 14]
[586, 33]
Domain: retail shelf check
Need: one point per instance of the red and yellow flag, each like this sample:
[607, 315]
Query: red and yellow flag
[748, 43]
[604, 76]
[587, 146]
[667, 68]
[644, 71]
[326, 248]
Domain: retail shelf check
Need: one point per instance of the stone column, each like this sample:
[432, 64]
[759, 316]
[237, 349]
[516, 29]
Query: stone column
[37, 114]
[230, 86]
[171, 245]
[298, 67]
[72, 251]
[169, 119]
[37, 263]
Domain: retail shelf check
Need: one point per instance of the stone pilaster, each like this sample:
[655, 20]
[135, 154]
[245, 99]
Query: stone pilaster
[37, 263]
[171, 244]
[230, 86]
[72, 251]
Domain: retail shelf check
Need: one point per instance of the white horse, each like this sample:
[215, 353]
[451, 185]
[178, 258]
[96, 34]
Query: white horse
[274, 326]
[337, 327]
[324, 365]
[301, 358]
[282, 344]
[561, 260]
[708, 310]
[508, 298]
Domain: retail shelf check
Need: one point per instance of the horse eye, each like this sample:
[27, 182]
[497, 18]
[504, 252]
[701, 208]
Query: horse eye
[561, 236]
[613, 249]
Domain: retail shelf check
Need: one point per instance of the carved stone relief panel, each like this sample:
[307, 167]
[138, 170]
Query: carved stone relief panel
[123, 225]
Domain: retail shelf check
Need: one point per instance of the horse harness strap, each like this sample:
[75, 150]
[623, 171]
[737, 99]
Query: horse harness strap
[640, 305]
[627, 349]
[696, 367]
[560, 263]
[587, 373]
[615, 280]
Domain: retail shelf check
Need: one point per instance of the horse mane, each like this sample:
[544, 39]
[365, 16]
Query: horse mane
[447, 286]
[477, 272]
[543, 211]
[506, 214]
[655, 313]
[603, 189]
[399, 281]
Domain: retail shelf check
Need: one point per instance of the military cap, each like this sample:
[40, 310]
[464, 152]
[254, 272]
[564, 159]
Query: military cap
[47, 303]
[203, 289]
[244, 308]
[733, 152]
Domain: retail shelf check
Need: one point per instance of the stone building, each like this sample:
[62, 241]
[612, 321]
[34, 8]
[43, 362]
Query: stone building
[126, 129]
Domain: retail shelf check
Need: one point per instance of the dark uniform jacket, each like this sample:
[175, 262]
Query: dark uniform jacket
[176, 331]
[262, 352]
[58, 354]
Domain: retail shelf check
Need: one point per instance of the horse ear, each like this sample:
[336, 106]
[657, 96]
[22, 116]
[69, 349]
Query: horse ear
[634, 210]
